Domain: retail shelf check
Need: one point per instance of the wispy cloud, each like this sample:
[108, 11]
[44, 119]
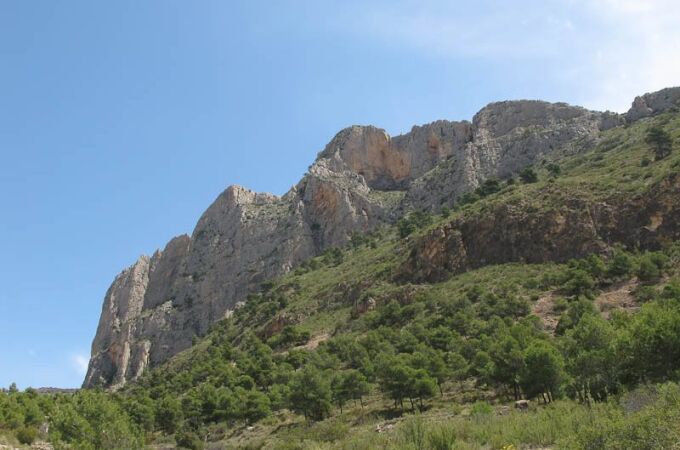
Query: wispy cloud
[603, 51]
[79, 362]
[641, 51]
[444, 28]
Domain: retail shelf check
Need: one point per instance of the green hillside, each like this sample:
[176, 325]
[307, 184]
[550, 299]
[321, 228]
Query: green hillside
[379, 345]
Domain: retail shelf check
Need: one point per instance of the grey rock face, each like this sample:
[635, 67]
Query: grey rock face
[392, 163]
[654, 103]
[362, 179]
[505, 138]
[116, 331]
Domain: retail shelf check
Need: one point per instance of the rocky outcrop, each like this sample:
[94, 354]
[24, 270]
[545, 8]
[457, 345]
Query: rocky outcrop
[522, 232]
[392, 163]
[654, 103]
[362, 179]
[505, 137]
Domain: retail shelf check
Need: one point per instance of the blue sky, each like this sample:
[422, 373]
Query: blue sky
[121, 121]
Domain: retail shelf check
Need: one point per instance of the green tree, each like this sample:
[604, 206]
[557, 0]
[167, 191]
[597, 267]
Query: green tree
[226, 405]
[651, 343]
[310, 393]
[421, 386]
[432, 361]
[255, 406]
[141, 411]
[338, 393]
[257, 362]
[356, 385]
[394, 376]
[591, 358]
[168, 414]
[572, 316]
[458, 366]
[660, 141]
[543, 372]
[93, 420]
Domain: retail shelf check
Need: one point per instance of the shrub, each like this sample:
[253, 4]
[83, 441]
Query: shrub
[528, 175]
[189, 440]
[413, 433]
[468, 198]
[481, 409]
[647, 271]
[441, 438]
[27, 435]
[405, 227]
[560, 305]
[490, 186]
[579, 283]
[329, 431]
[653, 427]
[621, 265]
[553, 169]
[645, 293]
[672, 290]
[414, 221]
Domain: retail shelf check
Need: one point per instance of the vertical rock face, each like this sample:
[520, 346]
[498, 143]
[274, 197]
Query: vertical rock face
[392, 163]
[363, 178]
[122, 305]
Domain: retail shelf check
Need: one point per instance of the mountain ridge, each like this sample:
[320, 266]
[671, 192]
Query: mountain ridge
[362, 179]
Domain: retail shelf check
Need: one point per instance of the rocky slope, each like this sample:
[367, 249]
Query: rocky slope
[521, 231]
[362, 179]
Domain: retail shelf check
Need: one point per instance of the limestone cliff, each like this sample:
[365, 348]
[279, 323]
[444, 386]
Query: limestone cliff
[362, 179]
[154, 309]
[504, 138]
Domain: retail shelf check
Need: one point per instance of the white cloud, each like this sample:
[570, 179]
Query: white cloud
[80, 362]
[604, 52]
[445, 28]
[640, 54]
